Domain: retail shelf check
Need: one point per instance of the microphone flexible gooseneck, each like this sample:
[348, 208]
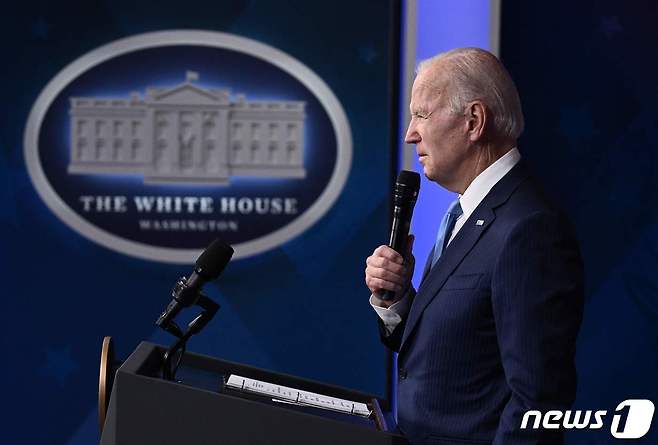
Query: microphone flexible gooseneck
[187, 292]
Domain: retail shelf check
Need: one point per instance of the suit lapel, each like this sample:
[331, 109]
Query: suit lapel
[463, 242]
[461, 245]
[428, 264]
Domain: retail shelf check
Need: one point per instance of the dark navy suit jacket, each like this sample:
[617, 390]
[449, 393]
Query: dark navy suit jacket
[491, 332]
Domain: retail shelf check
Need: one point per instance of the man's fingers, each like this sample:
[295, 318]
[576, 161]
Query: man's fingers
[384, 274]
[377, 284]
[389, 254]
[386, 270]
[385, 263]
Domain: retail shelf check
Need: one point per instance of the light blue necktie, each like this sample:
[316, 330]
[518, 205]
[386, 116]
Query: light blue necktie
[445, 230]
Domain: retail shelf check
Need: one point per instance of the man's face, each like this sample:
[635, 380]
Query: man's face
[439, 134]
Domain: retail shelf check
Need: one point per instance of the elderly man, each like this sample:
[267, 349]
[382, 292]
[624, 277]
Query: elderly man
[491, 331]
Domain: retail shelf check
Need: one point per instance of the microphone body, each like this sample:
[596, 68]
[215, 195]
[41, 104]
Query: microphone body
[405, 196]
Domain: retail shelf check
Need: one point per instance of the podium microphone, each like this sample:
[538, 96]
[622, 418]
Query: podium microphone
[208, 267]
[405, 195]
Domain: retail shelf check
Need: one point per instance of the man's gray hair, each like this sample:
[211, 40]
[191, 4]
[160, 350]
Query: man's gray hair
[476, 74]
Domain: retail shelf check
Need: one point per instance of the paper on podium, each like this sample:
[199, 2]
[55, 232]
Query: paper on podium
[296, 396]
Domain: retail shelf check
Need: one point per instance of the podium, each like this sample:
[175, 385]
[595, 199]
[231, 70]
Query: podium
[145, 409]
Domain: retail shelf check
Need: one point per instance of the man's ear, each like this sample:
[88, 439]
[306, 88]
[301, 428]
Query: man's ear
[476, 120]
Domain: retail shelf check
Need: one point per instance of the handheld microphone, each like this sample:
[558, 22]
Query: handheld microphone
[405, 195]
[186, 292]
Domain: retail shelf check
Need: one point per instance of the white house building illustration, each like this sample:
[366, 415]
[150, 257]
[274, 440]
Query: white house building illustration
[187, 134]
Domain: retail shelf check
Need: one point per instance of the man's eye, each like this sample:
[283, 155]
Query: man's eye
[420, 116]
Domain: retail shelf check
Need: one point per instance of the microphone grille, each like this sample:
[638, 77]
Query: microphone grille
[214, 259]
[409, 179]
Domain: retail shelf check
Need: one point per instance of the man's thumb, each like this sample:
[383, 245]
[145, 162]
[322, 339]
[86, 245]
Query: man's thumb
[410, 245]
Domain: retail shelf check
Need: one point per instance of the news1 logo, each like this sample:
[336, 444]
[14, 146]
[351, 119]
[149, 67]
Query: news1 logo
[632, 419]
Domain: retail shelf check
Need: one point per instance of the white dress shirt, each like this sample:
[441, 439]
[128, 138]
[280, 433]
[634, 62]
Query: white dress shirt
[472, 197]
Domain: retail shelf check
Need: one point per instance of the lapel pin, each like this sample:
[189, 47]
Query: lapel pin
[479, 222]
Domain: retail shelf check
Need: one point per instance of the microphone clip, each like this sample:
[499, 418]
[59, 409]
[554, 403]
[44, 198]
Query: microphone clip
[184, 296]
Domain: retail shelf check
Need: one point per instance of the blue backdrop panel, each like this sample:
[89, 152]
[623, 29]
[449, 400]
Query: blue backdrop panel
[587, 78]
[300, 308]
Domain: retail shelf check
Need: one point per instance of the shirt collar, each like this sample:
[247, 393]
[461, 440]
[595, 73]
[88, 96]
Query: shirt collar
[484, 182]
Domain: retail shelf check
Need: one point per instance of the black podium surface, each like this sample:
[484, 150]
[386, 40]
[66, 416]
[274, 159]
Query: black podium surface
[144, 409]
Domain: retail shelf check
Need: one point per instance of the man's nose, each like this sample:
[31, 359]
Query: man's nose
[412, 136]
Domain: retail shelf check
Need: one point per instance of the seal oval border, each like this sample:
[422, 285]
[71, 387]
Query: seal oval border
[214, 39]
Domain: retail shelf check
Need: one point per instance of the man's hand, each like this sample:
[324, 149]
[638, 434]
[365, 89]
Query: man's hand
[387, 270]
